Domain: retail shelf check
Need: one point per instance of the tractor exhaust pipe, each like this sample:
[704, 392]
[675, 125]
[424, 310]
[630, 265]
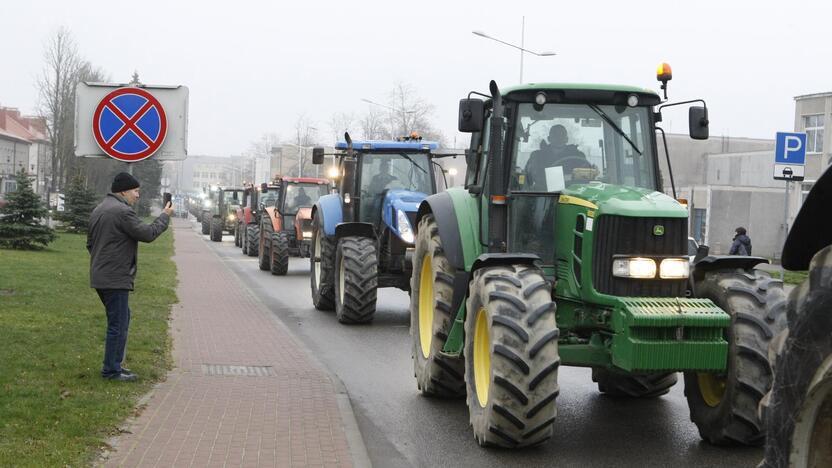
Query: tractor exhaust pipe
[498, 207]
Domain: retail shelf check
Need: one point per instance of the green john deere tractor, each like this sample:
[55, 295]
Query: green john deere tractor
[562, 249]
[220, 211]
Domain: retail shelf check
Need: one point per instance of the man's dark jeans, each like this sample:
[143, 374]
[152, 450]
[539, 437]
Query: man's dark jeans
[118, 321]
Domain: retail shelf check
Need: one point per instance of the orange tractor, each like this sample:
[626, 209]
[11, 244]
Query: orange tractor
[286, 224]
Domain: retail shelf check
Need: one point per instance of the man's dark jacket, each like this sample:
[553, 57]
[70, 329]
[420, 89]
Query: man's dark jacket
[741, 245]
[115, 232]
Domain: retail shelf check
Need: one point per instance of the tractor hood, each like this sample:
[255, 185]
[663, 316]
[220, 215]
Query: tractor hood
[609, 199]
[406, 201]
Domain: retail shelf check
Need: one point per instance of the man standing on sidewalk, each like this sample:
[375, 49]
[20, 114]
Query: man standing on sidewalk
[112, 242]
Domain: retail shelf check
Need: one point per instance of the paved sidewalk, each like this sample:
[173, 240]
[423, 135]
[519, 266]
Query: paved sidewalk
[243, 392]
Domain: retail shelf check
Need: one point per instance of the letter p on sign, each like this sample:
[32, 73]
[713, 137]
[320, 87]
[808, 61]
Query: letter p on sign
[790, 148]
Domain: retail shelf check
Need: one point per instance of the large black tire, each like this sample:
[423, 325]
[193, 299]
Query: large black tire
[798, 415]
[279, 254]
[633, 386]
[264, 246]
[511, 356]
[216, 230]
[431, 316]
[252, 234]
[206, 224]
[356, 279]
[724, 407]
[321, 272]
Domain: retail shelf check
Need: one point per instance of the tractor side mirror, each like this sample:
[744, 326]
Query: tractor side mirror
[471, 112]
[264, 187]
[698, 122]
[317, 155]
[701, 252]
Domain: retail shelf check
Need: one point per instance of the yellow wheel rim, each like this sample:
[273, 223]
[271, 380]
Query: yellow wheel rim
[482, 358]
[712, 388]
[426, 305]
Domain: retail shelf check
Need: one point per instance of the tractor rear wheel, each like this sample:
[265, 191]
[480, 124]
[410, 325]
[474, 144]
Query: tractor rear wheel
[279, 254]
[264, 244]
[206, 224]
[633, 386]
[511, 356]
[431, 316]
[799, 412]
[321, 268]
[724, 406]
[356, 279]
[252, 235]
[216, 230]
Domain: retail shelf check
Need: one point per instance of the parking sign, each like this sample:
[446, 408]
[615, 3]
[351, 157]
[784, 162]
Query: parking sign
[789, 156]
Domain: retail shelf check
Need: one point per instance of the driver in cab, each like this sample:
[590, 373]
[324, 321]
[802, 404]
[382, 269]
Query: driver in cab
[557, 152]
[302, 199]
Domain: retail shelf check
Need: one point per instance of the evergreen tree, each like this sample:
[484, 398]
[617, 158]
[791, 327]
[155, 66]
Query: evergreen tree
[79, 203]
[21, 219]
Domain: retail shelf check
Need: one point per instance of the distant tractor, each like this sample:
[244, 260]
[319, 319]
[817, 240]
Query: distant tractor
[562, 249]
[221, 212]
[361, 235]
[255, 199]
[286, 227]
[798, 410]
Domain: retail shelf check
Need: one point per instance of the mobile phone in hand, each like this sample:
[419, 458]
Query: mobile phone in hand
[167, 199]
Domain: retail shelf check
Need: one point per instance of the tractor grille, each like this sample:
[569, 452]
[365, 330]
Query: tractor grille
[624, 235]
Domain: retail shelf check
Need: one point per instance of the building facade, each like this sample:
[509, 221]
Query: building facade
[26, 134]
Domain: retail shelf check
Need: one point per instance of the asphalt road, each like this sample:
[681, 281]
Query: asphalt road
[402, 428]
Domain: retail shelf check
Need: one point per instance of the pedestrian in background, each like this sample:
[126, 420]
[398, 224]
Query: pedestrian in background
[112, 242]
[742, 243]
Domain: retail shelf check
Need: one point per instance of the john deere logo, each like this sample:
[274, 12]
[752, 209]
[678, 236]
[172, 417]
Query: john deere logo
[658, 230]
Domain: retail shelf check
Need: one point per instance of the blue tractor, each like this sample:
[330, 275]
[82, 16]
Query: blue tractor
[362, 236]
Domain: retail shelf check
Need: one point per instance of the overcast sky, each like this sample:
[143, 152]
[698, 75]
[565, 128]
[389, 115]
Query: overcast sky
[254, 66]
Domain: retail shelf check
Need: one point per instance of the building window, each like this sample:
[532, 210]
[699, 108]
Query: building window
[813, 125]
[11, 186]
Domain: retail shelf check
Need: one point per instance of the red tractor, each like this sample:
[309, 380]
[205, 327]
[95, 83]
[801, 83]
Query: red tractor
[255, 199]
[286, 227]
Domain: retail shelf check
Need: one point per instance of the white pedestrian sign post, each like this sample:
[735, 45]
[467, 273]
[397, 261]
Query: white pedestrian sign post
[789, 156]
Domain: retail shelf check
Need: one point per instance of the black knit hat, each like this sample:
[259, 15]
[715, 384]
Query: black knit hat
[124, 182]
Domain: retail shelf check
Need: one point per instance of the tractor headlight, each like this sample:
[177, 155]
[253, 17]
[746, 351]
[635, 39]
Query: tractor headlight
[231, 217]
[674, 268]
[206, 204]
[306, 234]
[405, 230]
[636, 267]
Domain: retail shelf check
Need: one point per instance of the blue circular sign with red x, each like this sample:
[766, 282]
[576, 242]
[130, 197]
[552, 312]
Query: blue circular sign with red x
[129, 124]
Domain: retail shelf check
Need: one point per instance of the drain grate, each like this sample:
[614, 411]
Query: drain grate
[244, 371]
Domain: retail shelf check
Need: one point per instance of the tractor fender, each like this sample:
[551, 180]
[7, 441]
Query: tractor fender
[812, 229]
[719, 262]
[355, 229]
[328, 209]
[277, 221]
[457, 213]
[503, 259]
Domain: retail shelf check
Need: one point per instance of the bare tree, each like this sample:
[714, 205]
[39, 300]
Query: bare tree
[339, 123]
[412, 113]
[373, 125]
[63, 70]
[305, 138]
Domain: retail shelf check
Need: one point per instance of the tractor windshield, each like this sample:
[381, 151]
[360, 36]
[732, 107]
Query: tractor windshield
[232, 197]
[268, 198]
[382, 172]
[565, 144]
[299, 195]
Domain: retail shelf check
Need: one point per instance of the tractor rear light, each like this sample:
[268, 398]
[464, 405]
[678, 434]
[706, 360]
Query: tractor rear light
[637, 267]
[674, 268]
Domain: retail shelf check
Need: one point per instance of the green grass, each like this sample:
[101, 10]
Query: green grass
[55, 409]
[795, 277]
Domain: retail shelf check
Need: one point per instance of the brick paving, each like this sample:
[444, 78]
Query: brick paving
[288, 416]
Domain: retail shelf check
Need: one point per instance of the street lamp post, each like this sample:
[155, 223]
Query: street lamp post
[521, 47]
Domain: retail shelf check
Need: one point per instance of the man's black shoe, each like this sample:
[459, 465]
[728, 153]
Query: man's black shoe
[123, 377]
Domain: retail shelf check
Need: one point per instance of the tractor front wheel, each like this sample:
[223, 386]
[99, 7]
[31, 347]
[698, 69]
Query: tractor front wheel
[252, 235]
[799, 412]
[321, 268]
[279, 254]
[216, 230]
[511, 356]
[264, 245]
[431, 316]
[206, 224]
[724, 406]
[356, 279]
